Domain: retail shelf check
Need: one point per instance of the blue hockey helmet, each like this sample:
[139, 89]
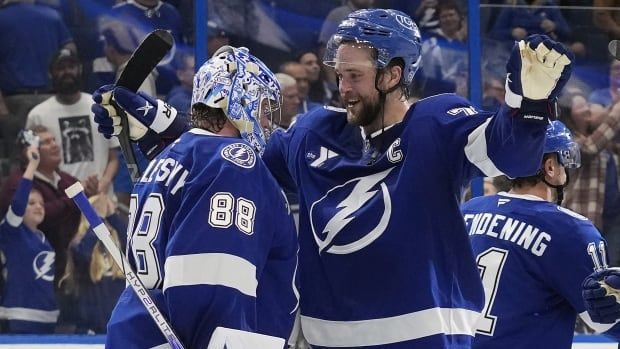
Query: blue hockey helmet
[558, 140]
[392, 33]
[243, 87]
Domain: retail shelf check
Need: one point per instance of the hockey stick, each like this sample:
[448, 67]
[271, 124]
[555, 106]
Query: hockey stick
[142, 62]
[76, 193]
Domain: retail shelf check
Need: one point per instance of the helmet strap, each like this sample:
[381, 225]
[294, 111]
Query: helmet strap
[559, 189]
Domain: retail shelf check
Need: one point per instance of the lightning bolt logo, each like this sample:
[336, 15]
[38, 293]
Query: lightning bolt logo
[359, 196]
[43, 264]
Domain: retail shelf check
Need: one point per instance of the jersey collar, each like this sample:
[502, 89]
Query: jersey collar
[528, 197]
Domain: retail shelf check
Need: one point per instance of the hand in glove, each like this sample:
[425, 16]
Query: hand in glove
[538, 69]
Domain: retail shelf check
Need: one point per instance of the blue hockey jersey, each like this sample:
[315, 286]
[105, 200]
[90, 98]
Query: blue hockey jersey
[384, 256]
[211, 236]
[533, 257]
[28, 300]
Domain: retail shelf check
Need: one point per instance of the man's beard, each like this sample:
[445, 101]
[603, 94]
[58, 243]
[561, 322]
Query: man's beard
[66, 85]
[368, 113]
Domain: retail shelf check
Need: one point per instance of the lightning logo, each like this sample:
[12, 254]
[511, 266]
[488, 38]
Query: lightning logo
[239, 154]
[43, 265]
[357, 198]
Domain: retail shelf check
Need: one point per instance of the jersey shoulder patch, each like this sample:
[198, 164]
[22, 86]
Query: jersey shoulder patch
[239, 154]
[572, 213]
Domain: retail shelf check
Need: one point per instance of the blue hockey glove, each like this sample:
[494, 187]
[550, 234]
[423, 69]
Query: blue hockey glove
[537, 70]
[601, 292]
[143, 112]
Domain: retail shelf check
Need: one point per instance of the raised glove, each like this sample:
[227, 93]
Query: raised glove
[143, 112]
[537, 70]
[600, 291]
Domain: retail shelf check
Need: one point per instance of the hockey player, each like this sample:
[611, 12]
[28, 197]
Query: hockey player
[383, 262]
[522, 241]
[28, 300]
[201, 234]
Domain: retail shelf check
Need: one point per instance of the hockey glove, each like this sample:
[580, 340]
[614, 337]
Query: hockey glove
[537, 70]
[601, 293]
[143, 112]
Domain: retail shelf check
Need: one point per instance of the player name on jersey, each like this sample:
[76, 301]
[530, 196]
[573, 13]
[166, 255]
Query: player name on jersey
[166, 170]
[499, 226]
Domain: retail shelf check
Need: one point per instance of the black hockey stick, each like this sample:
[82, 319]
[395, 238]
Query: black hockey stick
[142, 62]
[76, 193]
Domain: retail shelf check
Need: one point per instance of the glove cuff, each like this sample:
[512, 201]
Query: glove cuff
[151, 144]
[538, 110]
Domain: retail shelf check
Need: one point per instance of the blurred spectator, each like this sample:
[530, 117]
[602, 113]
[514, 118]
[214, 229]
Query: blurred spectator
[300, 74]
[321, 91]
[593, 189]
[607, 18]
[86, 154]
[180, 96]
[531, 17]
[30, 34]
[28, 301]
[607, 96]
[338, 14]
[144, 16]
[216, 38]
[444, 53]
[426, 16]
[493, 92]
[290, 101]
[488, 188]
[91, 275]
[61, 215]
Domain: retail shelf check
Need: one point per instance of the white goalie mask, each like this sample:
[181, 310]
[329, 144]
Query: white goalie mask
[243, 87]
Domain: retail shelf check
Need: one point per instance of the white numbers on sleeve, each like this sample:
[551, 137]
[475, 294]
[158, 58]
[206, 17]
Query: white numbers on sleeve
[600, 262]
[224, 207]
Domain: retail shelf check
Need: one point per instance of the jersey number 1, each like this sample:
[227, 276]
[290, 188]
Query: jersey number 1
[490, 264]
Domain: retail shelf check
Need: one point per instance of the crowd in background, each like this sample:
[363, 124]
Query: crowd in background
[54, 53]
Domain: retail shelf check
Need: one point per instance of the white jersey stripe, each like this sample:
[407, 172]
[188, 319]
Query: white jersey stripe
[211, 269]
[394, 329]
[13, 219]
[28, 314]
[476, 151]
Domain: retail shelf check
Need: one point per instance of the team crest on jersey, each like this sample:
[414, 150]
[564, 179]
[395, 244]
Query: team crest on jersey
[338, 224]
[239, 154]
[43, 265]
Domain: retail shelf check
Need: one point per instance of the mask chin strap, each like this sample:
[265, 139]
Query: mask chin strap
[559, 189]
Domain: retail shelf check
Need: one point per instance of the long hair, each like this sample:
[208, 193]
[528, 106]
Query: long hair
[100, 263]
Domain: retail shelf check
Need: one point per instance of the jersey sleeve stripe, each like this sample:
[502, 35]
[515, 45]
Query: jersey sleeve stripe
[13, 219]
[211, 269]
[28, 314]
[476, 151]
[419, 324]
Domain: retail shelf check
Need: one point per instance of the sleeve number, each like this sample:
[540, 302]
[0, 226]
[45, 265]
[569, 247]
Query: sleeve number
[143, 232]
[225, 209]
[599, 263]
[490, 264]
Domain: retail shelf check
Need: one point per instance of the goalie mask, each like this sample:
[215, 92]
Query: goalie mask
[243, 87]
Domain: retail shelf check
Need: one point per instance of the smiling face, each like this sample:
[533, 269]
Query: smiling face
[35, 210]
[356, 72]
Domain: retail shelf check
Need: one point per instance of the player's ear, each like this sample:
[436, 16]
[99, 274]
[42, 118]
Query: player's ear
[551, 166]
[391, 76]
